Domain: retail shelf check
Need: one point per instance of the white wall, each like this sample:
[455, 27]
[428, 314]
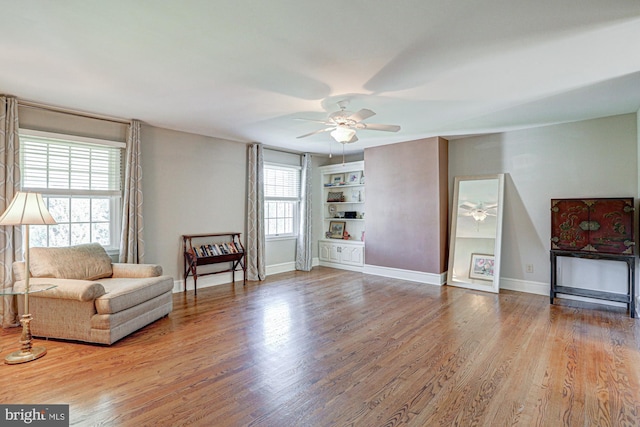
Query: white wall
[594, 158]
[191, 184]
[195, 184]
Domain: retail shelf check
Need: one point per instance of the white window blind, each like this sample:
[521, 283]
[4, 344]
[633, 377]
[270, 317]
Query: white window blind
[53, 164]
[282, 196]
[281, 182]
[80, 180]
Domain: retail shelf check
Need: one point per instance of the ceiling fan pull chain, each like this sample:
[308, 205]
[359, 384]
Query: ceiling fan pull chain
[342, 154]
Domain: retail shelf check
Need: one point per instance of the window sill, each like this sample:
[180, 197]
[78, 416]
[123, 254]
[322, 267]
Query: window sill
[275, 238]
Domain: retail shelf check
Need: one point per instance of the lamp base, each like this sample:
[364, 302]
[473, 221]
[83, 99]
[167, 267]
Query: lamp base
[27, 352]
[22, 357]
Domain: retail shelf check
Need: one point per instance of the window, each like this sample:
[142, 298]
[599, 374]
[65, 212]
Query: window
[281, 199]
[80, 181]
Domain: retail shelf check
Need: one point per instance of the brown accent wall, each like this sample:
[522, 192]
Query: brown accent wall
[406, 205]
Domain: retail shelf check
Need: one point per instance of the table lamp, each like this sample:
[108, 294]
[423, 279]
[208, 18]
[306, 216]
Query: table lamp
[26, 209]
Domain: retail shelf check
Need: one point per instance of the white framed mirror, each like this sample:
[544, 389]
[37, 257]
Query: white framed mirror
[476, 232]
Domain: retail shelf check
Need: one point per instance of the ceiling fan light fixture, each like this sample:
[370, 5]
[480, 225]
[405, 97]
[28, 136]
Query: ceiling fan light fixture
[342, 134]
[479, 215]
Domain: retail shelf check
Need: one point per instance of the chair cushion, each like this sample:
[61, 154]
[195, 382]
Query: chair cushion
[122, 294]
[85, 262]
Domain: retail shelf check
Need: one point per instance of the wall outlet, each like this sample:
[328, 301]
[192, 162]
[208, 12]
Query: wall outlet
[529, 268]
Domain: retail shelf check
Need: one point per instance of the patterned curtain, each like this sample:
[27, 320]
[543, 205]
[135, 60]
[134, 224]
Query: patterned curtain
[131, 242]
[10, 237]
[304, 254]
[255, 214]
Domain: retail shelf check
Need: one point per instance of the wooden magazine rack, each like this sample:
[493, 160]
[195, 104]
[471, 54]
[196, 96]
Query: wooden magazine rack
[194, 256]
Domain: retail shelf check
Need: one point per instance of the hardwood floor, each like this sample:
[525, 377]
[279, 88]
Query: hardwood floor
[336, 348]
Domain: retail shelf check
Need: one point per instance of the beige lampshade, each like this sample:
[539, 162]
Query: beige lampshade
[27, 209]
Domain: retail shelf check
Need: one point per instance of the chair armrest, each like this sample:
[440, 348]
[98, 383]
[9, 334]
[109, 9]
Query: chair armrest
[124, 270]
[80, 290]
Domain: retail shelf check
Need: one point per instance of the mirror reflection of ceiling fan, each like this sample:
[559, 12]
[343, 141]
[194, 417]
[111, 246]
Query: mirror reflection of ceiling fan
[479, 211]
[343, 124]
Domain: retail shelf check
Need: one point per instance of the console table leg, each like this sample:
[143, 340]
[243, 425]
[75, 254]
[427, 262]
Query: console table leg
[552, 289]
[632, 290]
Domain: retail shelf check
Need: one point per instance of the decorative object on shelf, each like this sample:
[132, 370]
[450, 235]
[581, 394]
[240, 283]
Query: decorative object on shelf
[482, 266]
[354, 177]
[337, 179]
[332, 210]
[362, 179]
[351, 214]
[356, 196]
[345, 235]
[26, 209]
[603, 225]
[335, 196]
[337, 229]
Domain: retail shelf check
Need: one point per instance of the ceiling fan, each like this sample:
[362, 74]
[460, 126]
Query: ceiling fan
[343, 124]
[479, 211]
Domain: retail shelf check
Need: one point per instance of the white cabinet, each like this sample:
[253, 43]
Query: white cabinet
[347, 255]
[342, 216]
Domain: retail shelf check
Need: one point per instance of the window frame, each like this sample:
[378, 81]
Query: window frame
[294, 200]
[114, 196]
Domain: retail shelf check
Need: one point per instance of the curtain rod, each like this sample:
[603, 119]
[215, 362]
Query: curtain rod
[282, 150]
[38, 106]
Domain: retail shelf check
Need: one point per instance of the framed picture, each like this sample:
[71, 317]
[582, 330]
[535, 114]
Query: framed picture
[481, 266]
[337, 178]
[336, 229]
[354, 177]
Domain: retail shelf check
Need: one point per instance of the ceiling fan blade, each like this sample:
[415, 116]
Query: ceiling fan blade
[386, 128]
[313, 133]
[324, 122]
[468, 205]
[361, 115]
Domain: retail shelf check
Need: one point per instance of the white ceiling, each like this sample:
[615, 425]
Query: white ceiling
[244, 70]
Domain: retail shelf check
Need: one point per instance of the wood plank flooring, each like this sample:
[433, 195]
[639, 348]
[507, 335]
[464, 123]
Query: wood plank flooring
[337, 348]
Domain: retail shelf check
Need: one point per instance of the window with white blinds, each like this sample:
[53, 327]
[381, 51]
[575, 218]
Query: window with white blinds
[80, 180]
[282, 197]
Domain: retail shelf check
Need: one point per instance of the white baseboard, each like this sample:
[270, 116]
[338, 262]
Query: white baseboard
[223, 278]
[339, 266]
[412, 276]
[207, 281]
[527, 286]
[530, 287]
[287, 266]
[541, 288]
[280, 268]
